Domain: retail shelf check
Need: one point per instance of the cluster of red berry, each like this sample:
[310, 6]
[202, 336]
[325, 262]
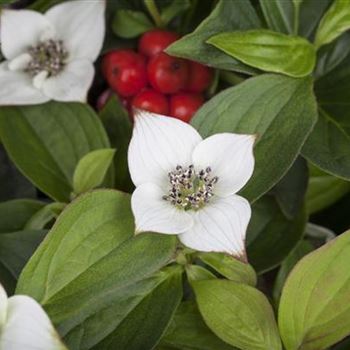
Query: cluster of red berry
[152, 80]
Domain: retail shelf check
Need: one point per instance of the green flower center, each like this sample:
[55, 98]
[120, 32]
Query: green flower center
[190, 189]
[49, 56]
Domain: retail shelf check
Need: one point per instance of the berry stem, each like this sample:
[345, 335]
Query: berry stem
[154, 12]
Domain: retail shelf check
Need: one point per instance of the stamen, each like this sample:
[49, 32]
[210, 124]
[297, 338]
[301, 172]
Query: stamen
[190, 190]
[49, 56]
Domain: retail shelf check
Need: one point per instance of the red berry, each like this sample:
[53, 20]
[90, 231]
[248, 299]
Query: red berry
[156, 41]
[151, 101]
[184, 105]
[199, 78]
[125, 71]
[167, 74]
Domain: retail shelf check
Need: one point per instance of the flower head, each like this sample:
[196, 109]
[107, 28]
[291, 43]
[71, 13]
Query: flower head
[187, 186]
[50, 56]
[25, 325]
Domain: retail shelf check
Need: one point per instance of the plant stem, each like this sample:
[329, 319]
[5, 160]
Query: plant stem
[153, 10]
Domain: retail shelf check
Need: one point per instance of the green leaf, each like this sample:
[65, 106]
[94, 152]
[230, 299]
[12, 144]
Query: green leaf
[130, 24]
[92, 169]
[332, 55]
[175, 8]
[46, 142]
[239, 314]
[314, 308]
[276, 108]
[230, 267]
[310, 13]
[101, 219]
[271, 236]
[44, 216]
[335, 22]
[189, 332]
[328, 146]
[301, 249]
[17, 247]
[15, 213]
[324, 190]
[144, 326]
[290, 191]
[269, 51]
[119, 129]
[197, 273]
[227, 15]
[15, 250]
[13, 183]
[279, 15]
[91, 267]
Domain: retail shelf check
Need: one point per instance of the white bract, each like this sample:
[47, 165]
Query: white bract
[186, 185]
[50, 56]
[24, 325]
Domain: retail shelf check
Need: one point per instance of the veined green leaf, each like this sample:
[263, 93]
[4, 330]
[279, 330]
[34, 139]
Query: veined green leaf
[335, 22]
[227, 16]
[92, 169]
[238, 314]
[129, 24]
[189, 332]
[230, 267]
[324, 190]
[271, 235]
[328, 146]
[92, 267]
[46, 142]
[269, 51]
[276, 108]
[314, 308]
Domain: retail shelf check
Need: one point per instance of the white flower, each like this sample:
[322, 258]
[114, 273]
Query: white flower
[24, 325]
[50, 56]
[186, 185]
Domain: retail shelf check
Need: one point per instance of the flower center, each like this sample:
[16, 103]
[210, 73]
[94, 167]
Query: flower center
[189, 189]
[49, 56]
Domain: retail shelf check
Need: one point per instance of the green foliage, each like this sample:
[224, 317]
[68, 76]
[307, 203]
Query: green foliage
[291, 189]
[276, 108]
[227, 16]
[271, 235]
[238, 314]
[35, 138]
[188, 331]
[82, 272]
[118, 127]
[92, 169]
[269, 51]
[279, 15]
[314, 312]
[324, 190]
[17, 242]
[13, 183]
[15, 213]
[175, 8]
[130, 24]
[143, 327]
[230, 267]
[327, 146]
[335, 21]
[301, 249]
[198, 273]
